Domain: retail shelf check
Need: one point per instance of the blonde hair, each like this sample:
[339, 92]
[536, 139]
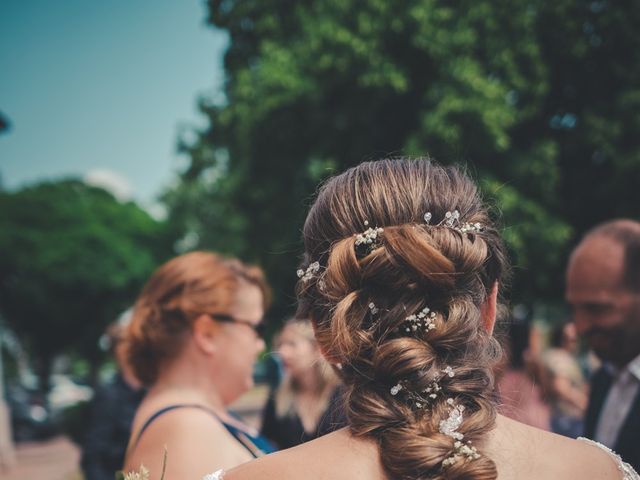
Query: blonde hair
[327, 379]
[410, 265]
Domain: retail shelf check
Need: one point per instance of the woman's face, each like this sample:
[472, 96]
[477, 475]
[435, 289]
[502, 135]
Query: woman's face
[239, 344]
[298, 353]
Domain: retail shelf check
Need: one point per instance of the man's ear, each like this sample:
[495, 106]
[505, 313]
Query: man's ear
[489, 308]
[204, 333]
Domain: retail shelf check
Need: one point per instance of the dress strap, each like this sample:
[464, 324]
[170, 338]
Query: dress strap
[253, 445]
[164, 410]
[628, 473]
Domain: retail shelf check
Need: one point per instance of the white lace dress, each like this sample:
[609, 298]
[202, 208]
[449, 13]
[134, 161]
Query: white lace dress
[628, 473]
[217, 475]
[214, 476]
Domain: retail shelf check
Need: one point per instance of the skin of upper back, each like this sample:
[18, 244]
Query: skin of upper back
[520, 452]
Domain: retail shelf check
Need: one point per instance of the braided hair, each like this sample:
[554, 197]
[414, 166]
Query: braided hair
[362, 291]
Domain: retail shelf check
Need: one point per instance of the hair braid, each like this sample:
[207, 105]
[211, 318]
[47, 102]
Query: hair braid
[366, 292]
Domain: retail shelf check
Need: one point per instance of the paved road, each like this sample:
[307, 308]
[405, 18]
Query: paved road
[55, 459]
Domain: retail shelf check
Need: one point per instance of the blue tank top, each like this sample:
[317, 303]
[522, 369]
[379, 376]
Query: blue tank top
[255, 444]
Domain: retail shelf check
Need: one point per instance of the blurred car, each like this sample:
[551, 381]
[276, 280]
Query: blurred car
[30, 419]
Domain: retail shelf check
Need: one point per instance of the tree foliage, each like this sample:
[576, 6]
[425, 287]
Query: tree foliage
[71, 259]
[540, 99]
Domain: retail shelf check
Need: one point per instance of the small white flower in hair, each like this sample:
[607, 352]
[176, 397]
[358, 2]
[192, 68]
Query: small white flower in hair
[308, 274]
[396, 389]
[461, 449]
[452, 220]
[423, 320]
[432, 390]
[373, 308]
[369, 236]
[449, 371]
[470, 228]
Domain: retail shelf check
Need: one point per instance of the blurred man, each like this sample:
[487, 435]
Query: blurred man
[112, 411]
[603, 289]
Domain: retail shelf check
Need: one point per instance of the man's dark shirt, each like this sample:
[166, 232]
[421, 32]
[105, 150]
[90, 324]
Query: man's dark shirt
[112, 411]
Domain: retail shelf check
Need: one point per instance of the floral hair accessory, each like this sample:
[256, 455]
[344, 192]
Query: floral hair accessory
[308, 274]
[396, 389]
[461, 449]
[416, 398]
[450, 427]
[452, 220]
[425, 397]
[373, 308]
[423, 320]
[370, 236]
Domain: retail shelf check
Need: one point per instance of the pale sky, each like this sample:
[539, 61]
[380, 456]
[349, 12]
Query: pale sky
[99, 89]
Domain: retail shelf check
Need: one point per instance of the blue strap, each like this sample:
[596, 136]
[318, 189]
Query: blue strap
[254, 445]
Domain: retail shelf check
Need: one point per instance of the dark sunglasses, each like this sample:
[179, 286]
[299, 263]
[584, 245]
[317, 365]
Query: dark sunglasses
[259, 328]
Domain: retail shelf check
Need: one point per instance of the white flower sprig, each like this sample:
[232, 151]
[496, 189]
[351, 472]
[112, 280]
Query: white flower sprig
[450, 427]
[423, 320]
[369, 236]
[306, 275]
[423, 398]
[452, 220]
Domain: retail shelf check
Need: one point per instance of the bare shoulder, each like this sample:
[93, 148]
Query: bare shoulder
[615, 462]
[196, 444]
[581, 460]
[523, 452]
[336, 455]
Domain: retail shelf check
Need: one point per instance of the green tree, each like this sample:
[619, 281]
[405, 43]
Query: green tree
[72, 258]
[539, 97]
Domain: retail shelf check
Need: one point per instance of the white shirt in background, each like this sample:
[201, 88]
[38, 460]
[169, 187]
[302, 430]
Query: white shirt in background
[623, 391]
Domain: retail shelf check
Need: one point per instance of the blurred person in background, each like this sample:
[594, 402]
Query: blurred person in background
[307, 403]
[564, 383]
[193, 340]
[603, 289]
[112, 411]
[521, 395]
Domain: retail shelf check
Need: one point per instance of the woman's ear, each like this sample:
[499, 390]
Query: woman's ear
[327, 356]
[489, 308]
[204, 332]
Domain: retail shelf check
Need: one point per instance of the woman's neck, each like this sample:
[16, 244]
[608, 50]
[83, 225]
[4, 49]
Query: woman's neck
[309, 381]
[184, 383]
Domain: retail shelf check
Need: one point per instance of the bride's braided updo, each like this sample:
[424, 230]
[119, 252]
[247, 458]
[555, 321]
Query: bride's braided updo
[365, 287]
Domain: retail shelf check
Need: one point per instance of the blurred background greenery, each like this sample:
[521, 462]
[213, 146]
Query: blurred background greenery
[539, 99]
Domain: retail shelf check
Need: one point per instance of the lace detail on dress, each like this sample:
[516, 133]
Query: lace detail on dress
[217, 475]
[628, 473]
